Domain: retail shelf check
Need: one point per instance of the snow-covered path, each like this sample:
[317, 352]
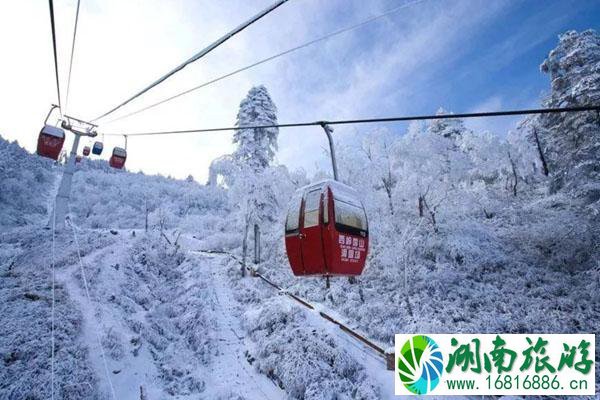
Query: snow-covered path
[128, 374]
[178, 328]
[231, 373]
[234, 345]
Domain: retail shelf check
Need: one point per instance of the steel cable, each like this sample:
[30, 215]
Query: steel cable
[595, 108]
[265, 60]
[51, 5]
[196, 57]
[72, 56]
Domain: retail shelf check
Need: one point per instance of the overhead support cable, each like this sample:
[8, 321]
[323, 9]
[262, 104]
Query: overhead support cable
[265, 60]
[52, 25]
[72, 56]
[196, 56]
[595, 108]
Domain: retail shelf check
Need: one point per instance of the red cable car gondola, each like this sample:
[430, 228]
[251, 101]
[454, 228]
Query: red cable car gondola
[86, 151]
[326, 231]
[50, 139]
[117, 160]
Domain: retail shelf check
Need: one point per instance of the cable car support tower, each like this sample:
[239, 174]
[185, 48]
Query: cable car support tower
[61, 203]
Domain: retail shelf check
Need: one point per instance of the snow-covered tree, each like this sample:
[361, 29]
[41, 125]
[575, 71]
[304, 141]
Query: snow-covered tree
[569, 144]
[378, 148]
[448, 128]
[254, 185]
[432, 165]
[256, 146]
[220, 169]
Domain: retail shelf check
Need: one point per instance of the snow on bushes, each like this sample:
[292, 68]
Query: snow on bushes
[105, 198]
[25, 326]
[173, 313]
[25, 183]
[306, 363]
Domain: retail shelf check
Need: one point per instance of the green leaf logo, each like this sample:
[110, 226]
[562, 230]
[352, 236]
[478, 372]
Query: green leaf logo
[420, 364]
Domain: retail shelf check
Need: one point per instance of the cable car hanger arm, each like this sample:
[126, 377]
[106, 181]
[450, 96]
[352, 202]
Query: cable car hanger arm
[197, 56]
[54, 106]
[328, 131]
[373, 120]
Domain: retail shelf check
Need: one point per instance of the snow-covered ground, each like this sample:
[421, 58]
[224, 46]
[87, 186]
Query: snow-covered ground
[167, 322]
[469, 232]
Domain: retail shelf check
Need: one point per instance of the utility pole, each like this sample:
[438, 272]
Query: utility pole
[63, 195]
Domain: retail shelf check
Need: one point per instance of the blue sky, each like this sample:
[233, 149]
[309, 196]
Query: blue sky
[463, 55]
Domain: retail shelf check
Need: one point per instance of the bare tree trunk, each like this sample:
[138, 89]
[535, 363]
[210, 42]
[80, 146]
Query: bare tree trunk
[245, 247]
[421, 201]
[388, 191]
[431, 214]
[540, 152]
[515, 176]
[146, 209]
[256, 244]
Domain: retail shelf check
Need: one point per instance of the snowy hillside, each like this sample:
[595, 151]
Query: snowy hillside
[469, 232]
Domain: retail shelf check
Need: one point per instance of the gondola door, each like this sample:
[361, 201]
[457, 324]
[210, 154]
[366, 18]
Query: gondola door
[293, 247]
[311, 235]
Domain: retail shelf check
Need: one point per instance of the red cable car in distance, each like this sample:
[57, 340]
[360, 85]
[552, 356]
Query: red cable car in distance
[117, 160]
[326, 231]
[86, 151]
[50, 139]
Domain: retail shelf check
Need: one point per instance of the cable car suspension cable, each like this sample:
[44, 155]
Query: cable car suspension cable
[53, 297]
[196, 56]
[373, 120]
[72, 56]
[265, 60]
[51, 5]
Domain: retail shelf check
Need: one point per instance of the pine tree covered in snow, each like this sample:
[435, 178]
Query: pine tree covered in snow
[570, 143]
[255, 186]
[257, 146]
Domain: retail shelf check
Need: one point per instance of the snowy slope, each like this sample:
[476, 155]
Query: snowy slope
[468, 233]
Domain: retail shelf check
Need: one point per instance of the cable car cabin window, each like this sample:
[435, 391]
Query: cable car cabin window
[350, 218]
[311, 208]
[292, 221]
